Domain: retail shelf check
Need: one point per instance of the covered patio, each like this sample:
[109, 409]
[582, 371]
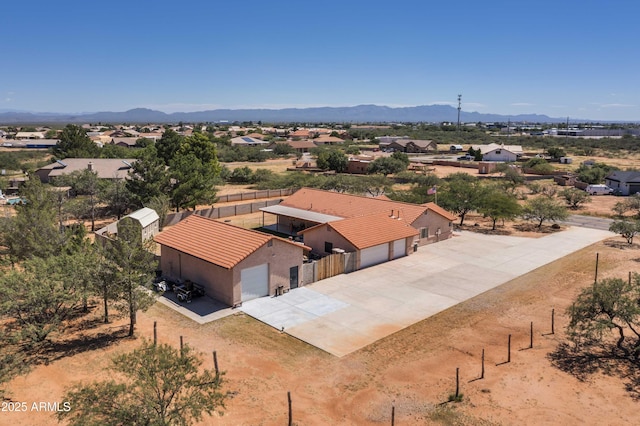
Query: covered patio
[292, 220]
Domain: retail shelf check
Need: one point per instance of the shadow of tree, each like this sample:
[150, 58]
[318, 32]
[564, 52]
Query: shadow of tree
[55, 350]
[533, 227]
[584, 362]
[488, 231]
[621, 245]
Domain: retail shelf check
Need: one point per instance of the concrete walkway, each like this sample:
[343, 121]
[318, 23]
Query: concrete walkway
[347, 312]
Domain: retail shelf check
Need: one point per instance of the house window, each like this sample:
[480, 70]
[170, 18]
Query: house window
[424, 232]
[328, 247]
[498, 151]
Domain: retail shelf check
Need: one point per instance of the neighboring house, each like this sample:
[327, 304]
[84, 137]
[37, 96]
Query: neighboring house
[359, 165]
[146, 220]
[495, 152]
[626, 183]
[414, 146]
[301, 134]
[256, 136]
[128, 142]
[328, 140]
[106, 168]
[29, 135]
[248, 141]
[298, 146]
[32, 143]
[500, 154]
[307, 208]
[233, 264]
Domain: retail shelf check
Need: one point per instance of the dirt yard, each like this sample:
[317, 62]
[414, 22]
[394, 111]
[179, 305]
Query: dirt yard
[413, 370]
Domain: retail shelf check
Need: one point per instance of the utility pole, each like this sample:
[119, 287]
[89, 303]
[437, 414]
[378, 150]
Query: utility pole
[459, 109]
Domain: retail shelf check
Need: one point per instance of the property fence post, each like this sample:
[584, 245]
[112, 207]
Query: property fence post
[482, 371]
[215, 363]
[393, 415]
[509, 349]
[595, 281]
[553, 318]
[155, 333]
[181, 346]
[290, 412]
[457, 382]
[531, 337]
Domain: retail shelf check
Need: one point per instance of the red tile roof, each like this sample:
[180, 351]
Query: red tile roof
[442, 212]
[347, 206]
[216, 242]
[369, 231]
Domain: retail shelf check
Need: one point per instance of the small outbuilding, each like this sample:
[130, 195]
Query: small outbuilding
[145, 220]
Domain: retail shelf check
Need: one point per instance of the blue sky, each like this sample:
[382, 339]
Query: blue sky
[561, 58]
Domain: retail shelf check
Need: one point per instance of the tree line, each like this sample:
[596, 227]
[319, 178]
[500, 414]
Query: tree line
[53, 274]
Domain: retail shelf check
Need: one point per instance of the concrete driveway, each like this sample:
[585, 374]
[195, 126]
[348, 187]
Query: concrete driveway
[347, 312]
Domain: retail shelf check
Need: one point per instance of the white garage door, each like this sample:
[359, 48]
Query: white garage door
[254, 282]
[374, 255]
[399, 248]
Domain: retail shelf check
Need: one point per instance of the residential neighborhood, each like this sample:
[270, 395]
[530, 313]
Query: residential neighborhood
[304, 240]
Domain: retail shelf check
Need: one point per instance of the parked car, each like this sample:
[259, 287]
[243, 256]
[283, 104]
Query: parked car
[599, 190]
[467, 157]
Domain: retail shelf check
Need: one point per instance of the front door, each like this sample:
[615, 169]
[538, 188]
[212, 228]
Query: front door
[293, 277]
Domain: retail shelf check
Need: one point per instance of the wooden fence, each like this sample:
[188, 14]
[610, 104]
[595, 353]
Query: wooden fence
[328, 266]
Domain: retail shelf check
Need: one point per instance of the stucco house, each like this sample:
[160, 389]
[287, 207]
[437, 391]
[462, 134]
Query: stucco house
[29, 135]
[105, 168]
[352, 223]
[359, 164]
[126, 142]
[328, 140]
[624, 182]
[248, 141]
[299, 146]
[502, 152]
[233, 264]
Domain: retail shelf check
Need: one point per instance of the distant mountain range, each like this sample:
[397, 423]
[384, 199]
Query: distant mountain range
[354, 114]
